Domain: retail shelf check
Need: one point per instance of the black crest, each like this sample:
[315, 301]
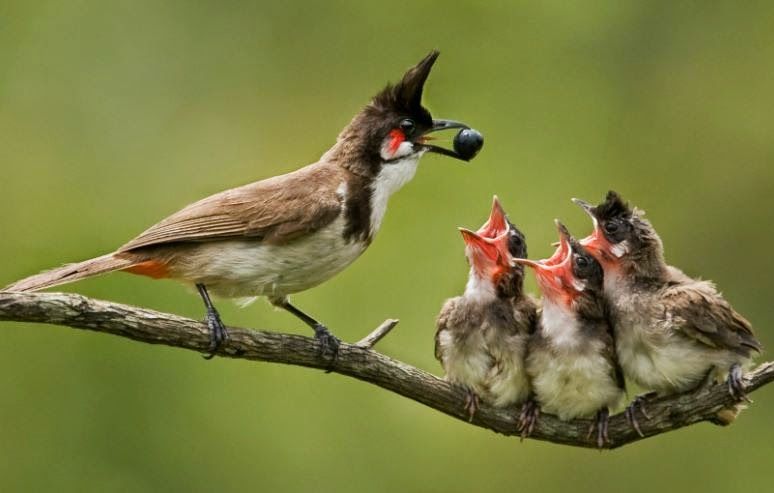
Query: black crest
[613, 206]
[406, 95]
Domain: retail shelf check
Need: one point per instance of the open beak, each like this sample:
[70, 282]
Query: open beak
[496, 225]
[553, 279]
[489, 256]
[483, 248]
[554, 275]
[562, 246]
[595, 243]
[439, 125]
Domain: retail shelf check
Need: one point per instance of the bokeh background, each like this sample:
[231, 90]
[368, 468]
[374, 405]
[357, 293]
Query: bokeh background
[115, 114]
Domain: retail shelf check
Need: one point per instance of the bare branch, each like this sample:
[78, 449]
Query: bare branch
[357, 361]
[369, 341]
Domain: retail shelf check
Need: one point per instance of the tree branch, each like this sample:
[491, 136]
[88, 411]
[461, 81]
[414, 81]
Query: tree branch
[359, 361]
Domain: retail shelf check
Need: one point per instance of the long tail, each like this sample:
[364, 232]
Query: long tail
[72, 272]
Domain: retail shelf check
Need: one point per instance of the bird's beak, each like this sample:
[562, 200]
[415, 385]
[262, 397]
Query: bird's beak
[439, 125]
[554, 279]
[488, 256]
[529, 263]
[595, 243]
[586, 206]
[562, 246]
[496, 225]
[483, 249]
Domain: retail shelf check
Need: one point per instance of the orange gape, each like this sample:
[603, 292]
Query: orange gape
[150, 268]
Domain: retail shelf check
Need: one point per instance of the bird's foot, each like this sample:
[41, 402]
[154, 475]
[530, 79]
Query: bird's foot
[528, 418]
[471, 403]
[218, 333]
[600, 425]
[638, 404]
[735, 384]
[329, 345]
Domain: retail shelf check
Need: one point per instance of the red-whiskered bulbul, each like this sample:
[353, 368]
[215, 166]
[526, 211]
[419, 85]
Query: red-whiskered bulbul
[571, 359]
[672, 331]
[286, 234]
[481, 336]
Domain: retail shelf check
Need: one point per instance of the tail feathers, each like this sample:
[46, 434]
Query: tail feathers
[72, 272]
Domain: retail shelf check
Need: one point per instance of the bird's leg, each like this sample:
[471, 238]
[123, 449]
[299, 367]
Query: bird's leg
[638, 404]
[599, 424]
[528, 417]
[708, 380]
[329, 344]
[218, 332]
[471, 402]
[735, 384]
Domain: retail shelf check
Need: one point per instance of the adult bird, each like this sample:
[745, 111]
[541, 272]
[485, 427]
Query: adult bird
[288, 233]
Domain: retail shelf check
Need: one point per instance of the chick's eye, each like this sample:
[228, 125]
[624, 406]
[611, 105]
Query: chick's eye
[408, 126]
[611, 227]
[581, 262]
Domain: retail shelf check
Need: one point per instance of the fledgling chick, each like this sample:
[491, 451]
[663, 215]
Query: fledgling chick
[571, 359]
[482, 336]
[672, 331]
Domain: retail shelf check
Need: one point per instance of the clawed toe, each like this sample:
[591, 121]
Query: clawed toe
[218, 333]
[528, 417]
[471, 403]
[736, 385]
[638, 404]
[600, 425]
[329, 345]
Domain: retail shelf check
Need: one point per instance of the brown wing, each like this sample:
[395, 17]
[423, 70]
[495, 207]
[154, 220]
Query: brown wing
[701, 313]
[610, 351]
[610, 354]
[443, 323]
[275, 210]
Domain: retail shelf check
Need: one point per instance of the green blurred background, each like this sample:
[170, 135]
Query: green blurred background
[115, 114]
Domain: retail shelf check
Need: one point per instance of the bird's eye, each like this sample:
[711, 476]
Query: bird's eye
[408, 126]
[612, 227]
[581, 262]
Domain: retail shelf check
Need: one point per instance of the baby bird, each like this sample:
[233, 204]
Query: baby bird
[481, 336]
[672, 331]
[571, 358]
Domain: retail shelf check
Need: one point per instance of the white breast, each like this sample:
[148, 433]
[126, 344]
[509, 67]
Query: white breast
[390, 179]
[465, 362]
[240, 268]
[570, 376]
[572, 384]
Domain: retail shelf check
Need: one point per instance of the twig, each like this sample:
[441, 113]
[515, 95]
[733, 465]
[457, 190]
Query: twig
[369, 341]
[667, 413]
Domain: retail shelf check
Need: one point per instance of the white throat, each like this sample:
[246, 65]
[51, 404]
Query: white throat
[615, 284]
[478, 289]
[559, 324]
[391, 178]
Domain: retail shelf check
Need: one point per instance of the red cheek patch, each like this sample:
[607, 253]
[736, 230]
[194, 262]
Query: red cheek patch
[397, 138]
